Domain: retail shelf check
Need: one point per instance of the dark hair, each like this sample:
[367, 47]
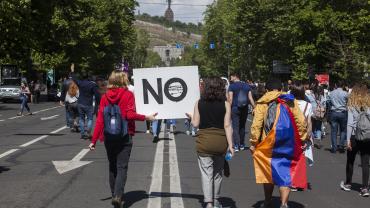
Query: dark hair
[318, 91]
[234, 74]
[273, 84]
[298, 91]
[214, 89]
[340, 84]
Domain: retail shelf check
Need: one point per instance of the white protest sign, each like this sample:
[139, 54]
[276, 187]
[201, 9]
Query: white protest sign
[169, 91]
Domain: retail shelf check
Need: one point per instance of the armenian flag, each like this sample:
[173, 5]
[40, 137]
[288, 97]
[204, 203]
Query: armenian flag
[279, 158]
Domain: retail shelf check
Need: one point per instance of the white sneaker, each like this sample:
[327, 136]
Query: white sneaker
[188, 133]
[345, 187]
[193, 133]
[147, 131]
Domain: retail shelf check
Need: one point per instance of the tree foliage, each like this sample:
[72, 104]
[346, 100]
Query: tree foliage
[310, 35]
[93, 34]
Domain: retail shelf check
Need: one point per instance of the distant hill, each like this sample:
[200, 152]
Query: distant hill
[160, 35]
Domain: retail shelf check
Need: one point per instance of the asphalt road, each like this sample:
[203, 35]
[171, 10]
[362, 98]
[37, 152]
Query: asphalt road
[160, 175]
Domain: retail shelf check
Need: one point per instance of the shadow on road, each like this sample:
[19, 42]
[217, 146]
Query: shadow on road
[3, 169]
[225, 201]
[276, 203]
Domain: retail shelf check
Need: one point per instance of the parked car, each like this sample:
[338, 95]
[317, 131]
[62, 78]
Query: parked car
[10, 89]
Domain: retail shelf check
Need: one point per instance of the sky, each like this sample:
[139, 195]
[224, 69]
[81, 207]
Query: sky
[183, 13]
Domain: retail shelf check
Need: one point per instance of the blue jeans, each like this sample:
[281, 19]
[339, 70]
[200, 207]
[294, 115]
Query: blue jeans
[85, 111]
[316, 129]
[189, 126]
[156, 127]
[24, 103]
[239, 119]
[338, 119]
[68, 117]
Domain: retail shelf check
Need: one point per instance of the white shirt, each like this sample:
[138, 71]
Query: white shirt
[302, 106]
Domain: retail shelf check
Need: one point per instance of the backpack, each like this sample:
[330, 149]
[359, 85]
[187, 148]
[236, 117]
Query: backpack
[362, 132]
[242, 98]
[319, 112]
[115, 126]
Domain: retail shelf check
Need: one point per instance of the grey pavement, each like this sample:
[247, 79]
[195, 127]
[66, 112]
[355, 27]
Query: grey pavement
[28, 178]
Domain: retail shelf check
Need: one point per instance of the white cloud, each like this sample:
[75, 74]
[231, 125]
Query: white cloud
[182, 13]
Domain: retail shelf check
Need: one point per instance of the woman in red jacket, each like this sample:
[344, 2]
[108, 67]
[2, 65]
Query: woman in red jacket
[118, 151]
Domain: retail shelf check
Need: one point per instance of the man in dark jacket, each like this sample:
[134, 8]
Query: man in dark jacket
[88, 91]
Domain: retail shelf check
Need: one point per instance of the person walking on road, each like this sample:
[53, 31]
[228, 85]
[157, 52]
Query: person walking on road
[37, 91]
[214, 137]
[25, 93]
[88, 90]
[338, 117]
[318, 116]
[71, 104]
[359, 103]
[118, 147]
[64, 89]
[240, 96]
[277, 134]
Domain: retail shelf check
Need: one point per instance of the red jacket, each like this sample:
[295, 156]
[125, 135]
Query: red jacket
[126, 102]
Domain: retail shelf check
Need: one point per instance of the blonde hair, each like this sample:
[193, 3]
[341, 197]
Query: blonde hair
[73, 88]
[359, 97]
[118, 79]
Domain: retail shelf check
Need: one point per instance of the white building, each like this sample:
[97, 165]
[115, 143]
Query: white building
[168, 52]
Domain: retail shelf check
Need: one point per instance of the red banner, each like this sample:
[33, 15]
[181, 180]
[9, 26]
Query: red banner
[322, 78]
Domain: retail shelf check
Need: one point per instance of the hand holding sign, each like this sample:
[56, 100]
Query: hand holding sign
[151, 117]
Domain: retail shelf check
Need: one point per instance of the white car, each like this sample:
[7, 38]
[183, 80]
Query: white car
[10, 90]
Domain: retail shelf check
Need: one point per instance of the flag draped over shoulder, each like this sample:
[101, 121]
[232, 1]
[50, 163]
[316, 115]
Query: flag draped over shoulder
[279, 158]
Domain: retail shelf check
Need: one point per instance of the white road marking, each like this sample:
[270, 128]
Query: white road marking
[36, 112]
[8, 152]
[156, 184]
[58, 130]
[48, 118]
[11, 118]
[33, 141]
[42, 137]
[175, 185]
[2, 120]
[68, 165]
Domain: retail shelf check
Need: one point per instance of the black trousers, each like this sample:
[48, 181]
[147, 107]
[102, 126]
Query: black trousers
[364, 149]
[118, 152]
[239, 119]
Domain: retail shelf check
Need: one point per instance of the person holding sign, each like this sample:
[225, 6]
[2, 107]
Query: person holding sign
[115, 125]
[214, 137]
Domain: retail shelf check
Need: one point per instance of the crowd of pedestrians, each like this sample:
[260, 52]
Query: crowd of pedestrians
[288, 120]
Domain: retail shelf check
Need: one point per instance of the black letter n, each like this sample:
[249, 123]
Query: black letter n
[147, 87]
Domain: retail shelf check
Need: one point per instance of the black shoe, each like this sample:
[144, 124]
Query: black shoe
[84, 137]
[155, 139]
[333, 151]
[342, 150]
[117, 202]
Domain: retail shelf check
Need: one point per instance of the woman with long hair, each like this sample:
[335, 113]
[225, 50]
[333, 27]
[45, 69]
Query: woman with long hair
[358, 103]
[118, 149]
[71, 102]
[212, 114]
[24, 95]
[319, 108]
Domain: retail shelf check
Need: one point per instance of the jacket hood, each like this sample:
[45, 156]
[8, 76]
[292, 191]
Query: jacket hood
[268, 97]
[114, 95]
